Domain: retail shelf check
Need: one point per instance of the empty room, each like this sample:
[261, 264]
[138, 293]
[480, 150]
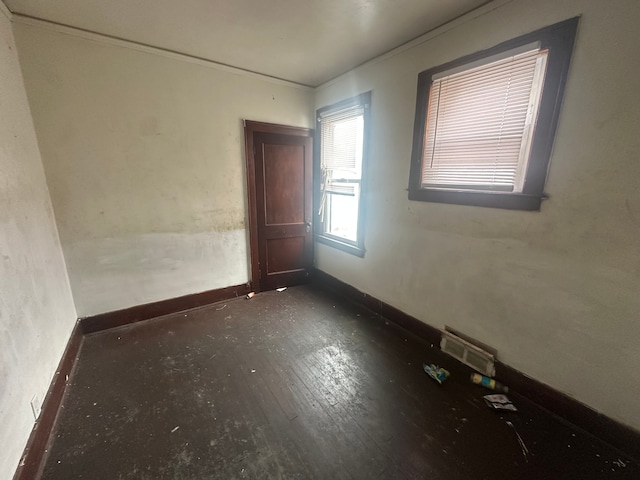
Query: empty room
[348, 239]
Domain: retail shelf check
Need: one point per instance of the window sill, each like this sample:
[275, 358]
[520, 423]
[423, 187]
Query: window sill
[341, 245]
[509, 201]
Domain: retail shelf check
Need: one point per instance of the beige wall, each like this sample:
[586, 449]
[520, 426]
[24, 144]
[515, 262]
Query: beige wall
[556, 291]
[36, 308]
[144, 158]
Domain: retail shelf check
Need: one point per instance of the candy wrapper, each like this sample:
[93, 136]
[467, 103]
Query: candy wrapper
[439, 374]
[499, 402]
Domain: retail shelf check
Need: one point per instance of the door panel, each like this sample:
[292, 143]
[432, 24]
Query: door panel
[285, 255]
[280, 161]
[283, 168]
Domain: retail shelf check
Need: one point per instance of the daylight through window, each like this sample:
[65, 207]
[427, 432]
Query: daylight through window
[342, 144]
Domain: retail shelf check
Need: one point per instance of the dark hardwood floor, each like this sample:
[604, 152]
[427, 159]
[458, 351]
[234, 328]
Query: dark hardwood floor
[297, 384]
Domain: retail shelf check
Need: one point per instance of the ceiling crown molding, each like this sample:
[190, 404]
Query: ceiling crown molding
[141, 47]
[480, 11]
[4, 9]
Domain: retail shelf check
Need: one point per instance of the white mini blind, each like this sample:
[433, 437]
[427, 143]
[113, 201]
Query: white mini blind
[341, 148]
[479, 123]
[340, 138]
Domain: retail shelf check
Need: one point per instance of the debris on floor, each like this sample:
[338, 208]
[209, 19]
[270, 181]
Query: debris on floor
[175, 429]
[222, 307]
[281, 289]
[439, 374]
[321, 381]
[525, 450]
[489, 383]
[620, 463]
[250, 295]
[499, 402]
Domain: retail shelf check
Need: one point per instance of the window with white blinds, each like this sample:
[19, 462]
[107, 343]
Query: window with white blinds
[479, 122]
[341, 149]
[485, 123]
[341, 129]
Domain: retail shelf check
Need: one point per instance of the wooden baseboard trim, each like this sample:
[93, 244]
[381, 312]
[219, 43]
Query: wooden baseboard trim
[412, 324]
[616, 434]
[118, 318]
[34, 453]
[569, 409]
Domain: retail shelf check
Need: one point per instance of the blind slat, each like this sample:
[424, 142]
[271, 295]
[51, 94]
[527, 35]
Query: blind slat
[341, 188]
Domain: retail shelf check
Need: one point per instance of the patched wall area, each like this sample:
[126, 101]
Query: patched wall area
[144, 154]
[36, 308]
[555, 291]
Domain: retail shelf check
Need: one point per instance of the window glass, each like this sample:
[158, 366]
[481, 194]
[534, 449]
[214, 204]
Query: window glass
[342, 129]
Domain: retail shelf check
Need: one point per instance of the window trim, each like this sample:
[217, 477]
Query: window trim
[346, 245]
[559, 39]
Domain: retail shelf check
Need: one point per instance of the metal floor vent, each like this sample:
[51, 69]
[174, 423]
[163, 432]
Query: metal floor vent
[468, 353]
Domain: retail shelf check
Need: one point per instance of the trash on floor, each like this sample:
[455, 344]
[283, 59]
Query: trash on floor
[250, 295]
[489, 383]
[439, 374]
[221, 308]
[499, 402]
[175, 429]
[525, 450]
[281, 289]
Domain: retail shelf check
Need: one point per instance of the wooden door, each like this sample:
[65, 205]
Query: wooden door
[279, 178]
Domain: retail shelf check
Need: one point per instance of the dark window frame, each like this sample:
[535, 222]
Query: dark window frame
[559, 39]
[353, 247]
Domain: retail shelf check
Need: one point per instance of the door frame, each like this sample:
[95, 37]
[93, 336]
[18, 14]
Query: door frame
[250, 128]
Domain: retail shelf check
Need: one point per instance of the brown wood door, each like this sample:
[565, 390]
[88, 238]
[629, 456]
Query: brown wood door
[279, 174]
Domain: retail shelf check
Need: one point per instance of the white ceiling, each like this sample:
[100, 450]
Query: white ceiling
[304, 41]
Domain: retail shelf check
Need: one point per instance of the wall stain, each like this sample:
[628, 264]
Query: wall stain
[632, 214]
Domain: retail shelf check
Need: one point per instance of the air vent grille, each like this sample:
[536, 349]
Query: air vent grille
[468, 353]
